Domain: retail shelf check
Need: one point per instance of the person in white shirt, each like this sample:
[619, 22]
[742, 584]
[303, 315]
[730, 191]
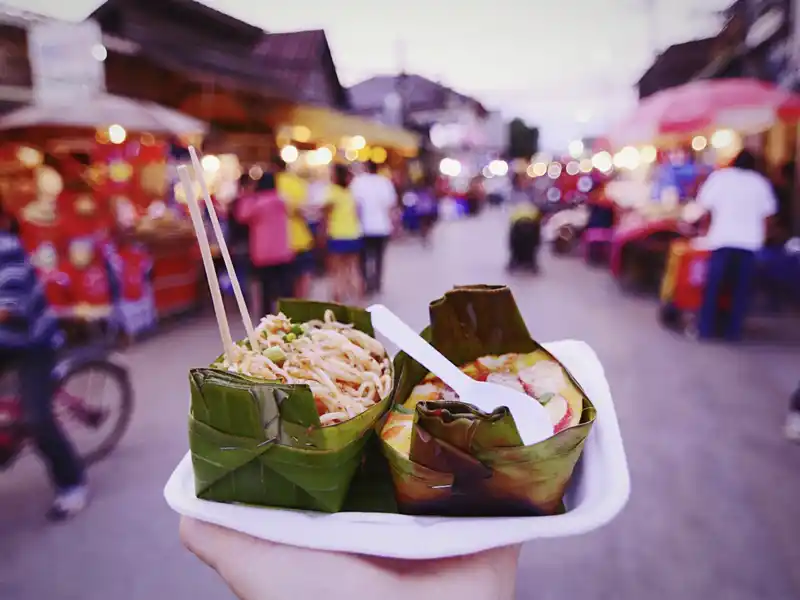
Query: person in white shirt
[376, 198]
[740, 201]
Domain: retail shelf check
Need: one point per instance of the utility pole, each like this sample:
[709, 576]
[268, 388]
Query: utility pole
[397, 101]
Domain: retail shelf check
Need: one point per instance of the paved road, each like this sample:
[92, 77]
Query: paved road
[714, 511]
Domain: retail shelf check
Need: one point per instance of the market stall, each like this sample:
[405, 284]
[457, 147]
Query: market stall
[696, 126]
[709, 122]
[639, 246]
[82, 181]
[644, 227]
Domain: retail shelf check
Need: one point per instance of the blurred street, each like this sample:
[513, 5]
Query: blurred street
[714, 511]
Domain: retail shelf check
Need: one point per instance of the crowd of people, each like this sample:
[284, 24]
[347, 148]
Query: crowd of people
[284, 229]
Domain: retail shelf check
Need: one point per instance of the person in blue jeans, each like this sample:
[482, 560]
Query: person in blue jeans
[739, 201]
[793, 420]
[29, 339]
[238, 234]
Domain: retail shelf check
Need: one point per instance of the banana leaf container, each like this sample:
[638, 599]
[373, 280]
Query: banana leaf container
[464, 462]
[260, 442]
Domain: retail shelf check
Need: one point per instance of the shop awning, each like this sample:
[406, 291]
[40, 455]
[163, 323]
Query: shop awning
[331, 125]
[103, 110]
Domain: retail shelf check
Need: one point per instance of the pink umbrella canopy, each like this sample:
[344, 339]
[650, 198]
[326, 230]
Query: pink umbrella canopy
[745, 105]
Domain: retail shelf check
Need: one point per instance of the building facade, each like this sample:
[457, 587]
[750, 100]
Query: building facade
[453, 125]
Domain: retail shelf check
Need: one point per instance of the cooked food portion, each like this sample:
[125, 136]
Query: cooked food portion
[347, 370]
[535, 374]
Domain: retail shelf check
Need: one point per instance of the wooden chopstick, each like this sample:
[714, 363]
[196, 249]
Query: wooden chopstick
[208, 261]
[226, 255]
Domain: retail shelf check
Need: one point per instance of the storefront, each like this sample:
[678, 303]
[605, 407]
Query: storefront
[358, 137]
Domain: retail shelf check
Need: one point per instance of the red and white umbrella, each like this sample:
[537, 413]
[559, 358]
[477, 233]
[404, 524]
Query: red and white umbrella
[744, 105]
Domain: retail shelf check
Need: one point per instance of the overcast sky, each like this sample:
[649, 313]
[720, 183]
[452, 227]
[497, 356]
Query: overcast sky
[547, 61]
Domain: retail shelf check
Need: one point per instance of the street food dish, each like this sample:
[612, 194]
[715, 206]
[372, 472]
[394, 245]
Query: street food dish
[535, 374]
[347, 370]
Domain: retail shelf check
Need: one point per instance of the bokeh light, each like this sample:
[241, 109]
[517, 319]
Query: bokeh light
[723, 138]
[576, 148]
[602, 161]
[648, 154]
[699, 143]
[450, 167]
[117, 134]
[99, 52]
[498, 167]
[289, 154]
[29, 157]
[301, 133]
[378, 155]
[210, 163]
[323, 156]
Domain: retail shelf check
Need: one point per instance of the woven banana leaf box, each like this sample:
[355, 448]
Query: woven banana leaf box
[466, 463]
[261, 442]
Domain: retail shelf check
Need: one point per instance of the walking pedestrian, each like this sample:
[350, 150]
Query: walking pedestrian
[315, 214]
[421, 196]
[740, 201]
[239, 233]
[29, 340]
[376, 199]
[293, 189]
[793, 420]
[344, 237]
[267, 217]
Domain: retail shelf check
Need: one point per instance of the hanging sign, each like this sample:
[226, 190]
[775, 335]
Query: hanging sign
[66, 61]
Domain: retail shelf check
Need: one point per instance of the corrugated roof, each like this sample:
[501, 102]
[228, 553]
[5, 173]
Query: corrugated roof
[295, 65]
[676, 65]
[196, 15]
[418, 92]
[301, 61]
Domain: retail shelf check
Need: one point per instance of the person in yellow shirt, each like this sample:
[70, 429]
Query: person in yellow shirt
[344, 237]
[293, 189]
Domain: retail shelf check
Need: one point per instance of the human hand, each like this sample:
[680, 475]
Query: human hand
[259, 570]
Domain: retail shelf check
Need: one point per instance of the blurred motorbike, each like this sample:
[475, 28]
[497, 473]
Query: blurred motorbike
[562, 230]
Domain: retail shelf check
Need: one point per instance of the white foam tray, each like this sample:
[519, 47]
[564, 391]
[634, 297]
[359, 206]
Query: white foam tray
[599, 490]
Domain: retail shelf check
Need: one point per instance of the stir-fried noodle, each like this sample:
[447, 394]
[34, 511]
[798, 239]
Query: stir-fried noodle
[347, 370]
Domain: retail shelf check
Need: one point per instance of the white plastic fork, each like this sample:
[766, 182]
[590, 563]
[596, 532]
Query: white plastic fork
[531, 418]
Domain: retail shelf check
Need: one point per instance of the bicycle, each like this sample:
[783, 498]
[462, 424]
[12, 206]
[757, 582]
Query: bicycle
[93, 429]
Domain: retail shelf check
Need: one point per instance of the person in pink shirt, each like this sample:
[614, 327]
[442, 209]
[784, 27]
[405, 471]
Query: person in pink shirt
[265, 213]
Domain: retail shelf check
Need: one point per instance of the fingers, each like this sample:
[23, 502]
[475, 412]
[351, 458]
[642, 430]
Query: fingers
[489, 574]
[192, 536]
[212, 544]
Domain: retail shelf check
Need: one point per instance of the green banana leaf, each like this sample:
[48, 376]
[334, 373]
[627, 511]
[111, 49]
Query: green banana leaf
[464, 462]
[260, 442]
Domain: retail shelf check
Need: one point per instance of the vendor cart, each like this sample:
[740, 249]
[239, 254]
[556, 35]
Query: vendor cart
[683, 288]
[683, 284]
[639, 249]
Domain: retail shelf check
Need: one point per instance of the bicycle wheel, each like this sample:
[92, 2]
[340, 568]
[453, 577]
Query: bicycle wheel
[92, 424]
